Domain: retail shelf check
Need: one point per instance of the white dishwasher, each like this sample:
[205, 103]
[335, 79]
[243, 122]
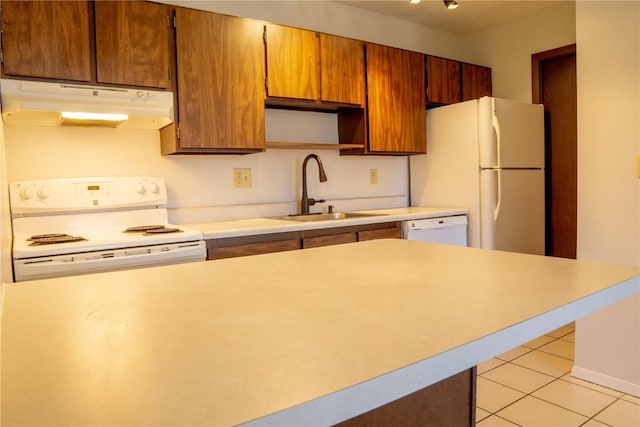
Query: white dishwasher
[451, 230]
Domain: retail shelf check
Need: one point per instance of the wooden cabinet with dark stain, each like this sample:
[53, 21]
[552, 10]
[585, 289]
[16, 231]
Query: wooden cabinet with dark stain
[293, 62]
[342, 70]
[443, 81]
[132, 43]
[396, 100]
[252, 245]
[230, 247]
[220, 85]
[312, 70]
[450, 402]
[476, 81]
[106, 42]
[47, 39]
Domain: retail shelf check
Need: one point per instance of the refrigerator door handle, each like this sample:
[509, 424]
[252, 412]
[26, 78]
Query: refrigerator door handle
[496, 126]
[496, 209]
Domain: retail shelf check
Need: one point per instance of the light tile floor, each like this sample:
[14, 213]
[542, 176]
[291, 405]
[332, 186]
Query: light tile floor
[532, 385]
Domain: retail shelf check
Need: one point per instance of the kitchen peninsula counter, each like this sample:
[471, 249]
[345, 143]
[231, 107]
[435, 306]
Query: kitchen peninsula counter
[309, 337]
[268, 225]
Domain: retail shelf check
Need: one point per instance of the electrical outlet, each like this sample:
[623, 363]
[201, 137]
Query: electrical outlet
[373, 176]
[241, 178]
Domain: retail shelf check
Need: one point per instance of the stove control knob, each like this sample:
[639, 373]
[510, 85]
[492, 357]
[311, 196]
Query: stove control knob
[26, 193]
[140, 188]
[154, 188]
[43, 192]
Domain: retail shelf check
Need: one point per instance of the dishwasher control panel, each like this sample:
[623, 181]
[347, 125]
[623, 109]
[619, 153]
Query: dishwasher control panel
[450, 230]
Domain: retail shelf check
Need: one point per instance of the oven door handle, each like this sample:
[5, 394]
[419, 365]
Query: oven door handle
[103, 261]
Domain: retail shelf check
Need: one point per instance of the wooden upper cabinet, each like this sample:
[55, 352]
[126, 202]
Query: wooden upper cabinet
[132, 43]
[309, 66]
[54, 40]
[396, 100]
[443, 81]
[47, 39]
[293, 62]
[476, 81]
[342, 70]
[220, 63]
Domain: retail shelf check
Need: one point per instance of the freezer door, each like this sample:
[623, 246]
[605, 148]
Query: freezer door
[512, 210]
[510, 134]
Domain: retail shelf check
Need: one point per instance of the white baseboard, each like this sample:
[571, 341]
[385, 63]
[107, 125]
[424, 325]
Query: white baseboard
[606, 381]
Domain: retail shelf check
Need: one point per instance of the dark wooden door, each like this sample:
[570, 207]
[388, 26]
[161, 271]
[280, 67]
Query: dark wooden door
[554, 74]
[47, 39]
[220, 82]
[293, 62]
[395, 87]
[132, 43]
[342, 69]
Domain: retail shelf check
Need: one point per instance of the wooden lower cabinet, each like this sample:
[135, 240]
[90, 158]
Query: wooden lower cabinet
[450, 402]
[328, 240]
[231, 247]
[251, 245]
[380, 233]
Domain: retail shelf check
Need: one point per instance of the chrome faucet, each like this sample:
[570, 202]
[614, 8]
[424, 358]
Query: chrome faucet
[306, 201]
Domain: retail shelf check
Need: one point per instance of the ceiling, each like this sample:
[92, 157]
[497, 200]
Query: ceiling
[470, 16]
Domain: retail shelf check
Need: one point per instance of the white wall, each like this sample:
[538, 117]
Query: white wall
[200, 186]
[507, 48]
[608, 63]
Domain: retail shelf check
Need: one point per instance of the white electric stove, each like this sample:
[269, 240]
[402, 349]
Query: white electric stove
[64, 227]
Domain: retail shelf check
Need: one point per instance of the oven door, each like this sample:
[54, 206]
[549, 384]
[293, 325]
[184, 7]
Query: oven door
[110, 260]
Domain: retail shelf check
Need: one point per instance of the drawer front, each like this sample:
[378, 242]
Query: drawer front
[252, 249]
[382, 233]
[332, 239]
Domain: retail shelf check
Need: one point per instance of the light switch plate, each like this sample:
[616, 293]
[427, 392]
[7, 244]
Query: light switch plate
[241, 178]
[373, 176]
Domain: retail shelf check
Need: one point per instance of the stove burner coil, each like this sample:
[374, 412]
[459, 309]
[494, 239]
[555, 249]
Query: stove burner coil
[143, 228]
[163, 230]
[52, 239]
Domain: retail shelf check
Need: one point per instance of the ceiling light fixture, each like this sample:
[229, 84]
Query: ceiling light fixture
[414, 1]
[451, 4]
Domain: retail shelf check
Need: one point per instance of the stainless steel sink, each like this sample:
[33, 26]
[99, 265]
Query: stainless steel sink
[329, 216]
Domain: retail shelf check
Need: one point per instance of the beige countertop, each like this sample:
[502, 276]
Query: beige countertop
[307, 337]
[254, 226]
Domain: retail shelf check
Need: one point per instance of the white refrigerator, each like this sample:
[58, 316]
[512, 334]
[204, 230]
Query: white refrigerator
[487, 155]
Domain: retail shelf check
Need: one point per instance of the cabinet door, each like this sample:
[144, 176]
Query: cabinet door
[395, 85]
[47, 39]
[342, 70]
[220, 83]
[132, 43]
[476, 81]
[293, 67]
[443, 81]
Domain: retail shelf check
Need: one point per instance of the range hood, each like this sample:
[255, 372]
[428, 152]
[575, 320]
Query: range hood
[42, 104]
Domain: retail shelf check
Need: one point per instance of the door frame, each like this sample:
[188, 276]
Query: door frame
[536, 68]
[537, 61]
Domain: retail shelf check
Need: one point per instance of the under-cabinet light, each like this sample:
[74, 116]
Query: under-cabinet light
[95, 116]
